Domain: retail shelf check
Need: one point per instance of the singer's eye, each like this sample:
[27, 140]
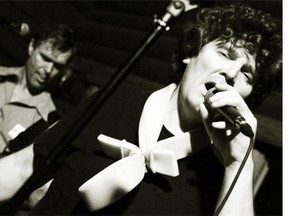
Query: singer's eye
[246, 72]
[224, 54]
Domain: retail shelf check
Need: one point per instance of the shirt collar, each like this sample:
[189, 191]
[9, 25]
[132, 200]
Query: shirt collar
[152, 121]
[42, 102]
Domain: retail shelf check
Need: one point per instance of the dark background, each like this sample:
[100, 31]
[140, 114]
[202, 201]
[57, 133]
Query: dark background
[108, 32]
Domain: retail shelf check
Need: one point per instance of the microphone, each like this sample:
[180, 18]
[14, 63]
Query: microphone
[19, 28]
[230, 113]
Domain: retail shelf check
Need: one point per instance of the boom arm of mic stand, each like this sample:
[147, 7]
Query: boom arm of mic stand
[174, 9]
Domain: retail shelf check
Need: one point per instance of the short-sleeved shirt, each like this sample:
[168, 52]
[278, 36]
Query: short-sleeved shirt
[17, 116]
[193, 192]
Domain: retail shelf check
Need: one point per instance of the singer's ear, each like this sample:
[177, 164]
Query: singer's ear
[31, 47]
[186, 61]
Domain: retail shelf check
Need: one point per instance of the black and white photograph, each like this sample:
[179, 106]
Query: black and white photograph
[142, 107]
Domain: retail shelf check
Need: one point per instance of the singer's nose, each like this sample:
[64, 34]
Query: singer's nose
[233, 69]
[230, 80]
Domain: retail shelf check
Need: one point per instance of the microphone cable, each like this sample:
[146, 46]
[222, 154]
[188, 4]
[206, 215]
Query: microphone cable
[250, 147]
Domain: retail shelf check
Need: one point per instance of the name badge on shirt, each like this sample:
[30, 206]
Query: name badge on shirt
[16, 130]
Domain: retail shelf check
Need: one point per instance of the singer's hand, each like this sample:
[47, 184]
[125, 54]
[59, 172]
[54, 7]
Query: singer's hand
[231, 144]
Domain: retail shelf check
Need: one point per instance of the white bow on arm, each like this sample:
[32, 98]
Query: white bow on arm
[118, 179]
[125, 174]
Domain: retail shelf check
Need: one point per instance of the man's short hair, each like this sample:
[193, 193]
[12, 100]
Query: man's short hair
[60, 36]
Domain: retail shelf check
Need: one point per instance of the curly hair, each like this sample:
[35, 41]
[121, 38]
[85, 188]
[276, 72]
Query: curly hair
[258, 32]
[60, 36]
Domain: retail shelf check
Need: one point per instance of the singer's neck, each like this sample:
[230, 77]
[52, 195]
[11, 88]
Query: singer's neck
[178, 118]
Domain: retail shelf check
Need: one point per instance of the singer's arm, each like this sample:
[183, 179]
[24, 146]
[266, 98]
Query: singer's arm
[232, 145]
[240, 201]
[15, 169]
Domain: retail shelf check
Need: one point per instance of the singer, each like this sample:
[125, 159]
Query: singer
[235, 47]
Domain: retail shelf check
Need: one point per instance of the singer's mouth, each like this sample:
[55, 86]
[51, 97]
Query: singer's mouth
[209, 85]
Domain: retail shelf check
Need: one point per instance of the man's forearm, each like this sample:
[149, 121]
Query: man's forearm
[15, 169]
[240, 201]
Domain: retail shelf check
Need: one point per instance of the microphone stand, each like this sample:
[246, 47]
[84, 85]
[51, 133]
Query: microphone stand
[173, 10]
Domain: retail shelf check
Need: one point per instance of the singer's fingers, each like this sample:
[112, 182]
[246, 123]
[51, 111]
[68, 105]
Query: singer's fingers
[228, 128]
[223, 87]
[211, 121]
[219, 125]
[224, 94]
[227, 95]
[224, 100]
[227, 98]
[203, 111]
[223, 125]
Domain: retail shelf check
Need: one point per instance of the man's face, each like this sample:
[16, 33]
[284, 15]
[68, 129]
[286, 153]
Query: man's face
[43, 64]
[217, 63]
